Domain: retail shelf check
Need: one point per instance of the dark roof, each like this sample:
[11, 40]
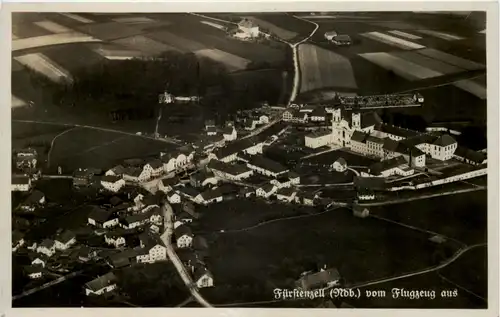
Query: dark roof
[115, 200]
[390, 145]
[133, 171]
[286, 191]
[183, 215]
[267, 187]
[292, 174]
[35, 196]
[267, 164]
[405, 133]
[118, 169]
[100, 215]
[19, 180]
[228, 130]
[101, 282]
[48, 243]
[31, 269]
[188, 190]
[374, 139]
[202, 175]
[199, 271]
[369, 119]
[359, 136]
[445, 140]
[65, 236]
[420, 139]
[211, 194]
[136, 217]
[474, 156]
[319, 133]
[200, 243]
[318, 112]
[150, 240]
[17, 236]
[234, 147]
[183, 230]
[211, 129]
[110, 178]
[379, 167]
[316, 280]
[170, 181]
[369, 182]
[232, 169]
[155, 164]
[342, 37]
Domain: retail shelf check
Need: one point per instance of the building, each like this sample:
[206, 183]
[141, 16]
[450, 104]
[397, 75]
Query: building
[183, 236]
[82, 177]
[122, 259]
[21, 183]
[47, 247]
[112, 183]
[209, 196]
[318, 139]
[202, 277]
[318, 115]
[152, 248]
[101, 218]
[187, 192]
[266, 166]
[65, 240]
[103, 284]
[17, 240]
[387, 168]
[266, 190]
[286, 194]
[115, 238]
[37, 259]
[230, 133]
[134, 221]
[229, 152]
[330, 35]
[306, 198]
[340, 165]
[203, 178]
[34, 271]
[26, 159]
[211, 131]
[116, 171]
[360, 211]
[174, 198]
[136, 174]
[374, 146]
[35, 200]
[154, 168]
[225, 171]
[342, 40]
[247, 29]
[469, 156]
[319, 280]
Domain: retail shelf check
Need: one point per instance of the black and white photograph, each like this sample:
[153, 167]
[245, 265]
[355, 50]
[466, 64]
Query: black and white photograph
[260, 159]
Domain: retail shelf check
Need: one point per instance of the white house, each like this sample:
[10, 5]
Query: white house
[101, 218]
[211, 131]
[115, 238]
[37, 259]
[230, 133]
[227, 171]
[174, 198]
[184, 236]
[286, 194]
[365, 195]
[248, 29]
[154, 168]
[134, 221]
[115, 171]
[112, 183]
[263, 119]
[47, 247]
[265, 191]
[202, 277]
[36, 199]
[330, 35]
[318, 139]
[152, 248]
[21, 183]
[340, 165]
[103, 284]
[65, 240]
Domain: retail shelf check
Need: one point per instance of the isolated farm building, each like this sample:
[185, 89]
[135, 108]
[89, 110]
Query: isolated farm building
[103, 284]
[227, 171]
[209, 196]
[174, 197]
[34, 271]
[266, 166]
[330, 35]
[203, 178]
[112, 183]
[115, 171]
[47, 247]
[342, 40]
[166, 184]
[36, 199]
[152, 249]
[21, 183]
[469, 156]
[321, 279]
[202, 277]
[230, 133]
[266, 190]
[247, 29]
[82, 177]
[318, 139]
[340, 165]
[183, 236]
[286, 194]
[17, 240]
[154, 167]
[65, 240]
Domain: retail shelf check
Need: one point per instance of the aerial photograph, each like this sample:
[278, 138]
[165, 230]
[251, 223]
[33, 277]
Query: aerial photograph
[249, 159]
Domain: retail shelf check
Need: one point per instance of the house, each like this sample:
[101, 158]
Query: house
[294, 178]
[318, 139]
[154, 168]
[36, 199]
[152, 249]
[174, 198]
[101, 218]
[183, 236]
[365, 194]
[340, 165]
[37, 259]
[308, 198]
[209, 124]
[322, 279]
[266, 190]
[155, 216]
[330, 35]
[229, 133]
[318, 115]
[202, 179]
[225, 171]
[112, 183]
[374, 146]
[266, 166]
[187, 192]
[82, 177]
[342, 40]
[286, 194]
[21, 183]
[166, 184]
[189, 207]
[122, 259]
[17, 240]
[103, 284]
[26, 158]
[209, 196]
[47, 247]
[469, 156]
[211, 131]
[134, 221]
[182, 219]
[34, 271]
[439, 147]
[247, 29]
[115, 238]
[118, 170]
[228, 153]
[65, 240]
[136, 174]
[394, 166]
[202, 277]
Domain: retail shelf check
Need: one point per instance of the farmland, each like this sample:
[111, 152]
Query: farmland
[275, 21]
[358, 248]
[321, 68]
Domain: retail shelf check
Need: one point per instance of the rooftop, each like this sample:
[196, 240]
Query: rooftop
[101, 282]
[232, 169]
[267, 164]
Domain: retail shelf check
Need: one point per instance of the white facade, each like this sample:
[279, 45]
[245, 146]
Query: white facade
[110, 223]
[47, 251]
[115, 241]
[315, 141]
[64, 246]
[231, 136]
[184, 241]
[113, 186]
[156, 253]
[103, 290]
[153, 172]
[21, 187]
[260, 192]
[442, 153]
[174, 198]
[205, 280]
[339, 166]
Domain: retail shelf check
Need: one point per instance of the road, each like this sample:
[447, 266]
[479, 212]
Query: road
[166, 237]
[166, 140]
[52, 143]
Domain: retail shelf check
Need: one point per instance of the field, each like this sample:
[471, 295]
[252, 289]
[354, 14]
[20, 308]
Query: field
[358, 248]
[273, 29]
[52, 39]
[45, 66]
[321, 68]
[287, 22]
[232, 62]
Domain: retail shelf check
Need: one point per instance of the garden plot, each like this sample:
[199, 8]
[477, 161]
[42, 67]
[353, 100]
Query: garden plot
[77, 17]
[405, 35]
[399, 66]
[322, 68]
[54, 39]
[145, 44]
[451, 59]
[392, 40]
[176, 41]
[442, 35]
[53, 27]
[473, 88]
[110, 31]
[232, 62]
[45, 66]
[428, 62]
[279, 32]
[17, 102]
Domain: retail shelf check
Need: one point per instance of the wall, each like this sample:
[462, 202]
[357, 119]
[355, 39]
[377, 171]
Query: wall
[450, 179]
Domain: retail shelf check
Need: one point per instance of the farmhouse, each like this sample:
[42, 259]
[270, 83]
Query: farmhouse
[230, 133]
[266, 166]
[229, 152]
[115, 171]
[122, 259]
[321, 279]
[247, 29]
[21, 183]
[202, 277]
[17, 240]
[136, 174]
[103, 284]
[112, 183]
[209, 196]
[306, 198]
[36, 199]
[340, 165]
[82, 177]
[330, 35]
[183, 236]
[188, 192]
[365, 194]
[38, 259]
[65, 240]
[318, 139]
[115, 238]
[342, 40]
[101, 218]
[47, 247]
[227, 171]
[286, 194]
[134, 221]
